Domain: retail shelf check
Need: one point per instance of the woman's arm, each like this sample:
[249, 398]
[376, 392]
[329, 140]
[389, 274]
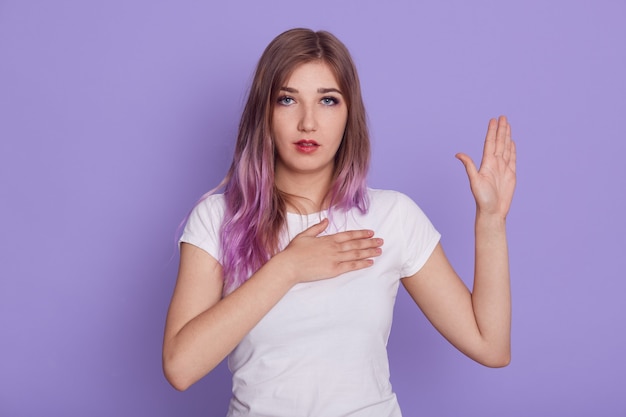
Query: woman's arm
[202, 328]
[477, 323]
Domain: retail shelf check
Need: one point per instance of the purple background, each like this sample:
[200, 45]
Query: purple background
[115, 116]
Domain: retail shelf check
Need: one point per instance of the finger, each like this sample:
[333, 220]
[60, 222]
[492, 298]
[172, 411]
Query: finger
[509, 136]
[513, 158]
[344, 267]
[361, 244]
[470, 168]
[352, 235]
[355, 255]
[501, 135]
[490, 139]
[316, 229]
[507, 144]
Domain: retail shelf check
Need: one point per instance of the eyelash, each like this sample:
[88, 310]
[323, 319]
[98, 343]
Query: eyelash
[282, 99]
[328, 101]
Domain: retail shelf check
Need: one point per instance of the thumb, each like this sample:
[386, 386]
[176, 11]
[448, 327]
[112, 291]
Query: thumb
[316, 229]
[470, 168]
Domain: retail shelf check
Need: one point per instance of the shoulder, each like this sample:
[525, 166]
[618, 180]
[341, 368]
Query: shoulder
[202, 228]
[210, 205]
[208, 212]
[395, 204]
[381, 199]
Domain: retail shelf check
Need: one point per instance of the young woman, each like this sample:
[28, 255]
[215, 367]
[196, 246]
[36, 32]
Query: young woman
[287, 273]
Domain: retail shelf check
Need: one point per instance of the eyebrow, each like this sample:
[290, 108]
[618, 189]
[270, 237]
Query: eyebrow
[319, 90]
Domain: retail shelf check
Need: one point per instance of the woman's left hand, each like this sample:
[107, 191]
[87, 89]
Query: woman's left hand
[493, 184]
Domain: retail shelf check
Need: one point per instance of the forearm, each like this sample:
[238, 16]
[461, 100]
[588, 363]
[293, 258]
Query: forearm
[206, 340]
[491, 295]
[202, 329]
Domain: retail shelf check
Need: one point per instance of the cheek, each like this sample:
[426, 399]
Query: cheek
[280, 126]
[340, 125]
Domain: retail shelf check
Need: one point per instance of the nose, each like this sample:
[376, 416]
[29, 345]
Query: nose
[308, 120]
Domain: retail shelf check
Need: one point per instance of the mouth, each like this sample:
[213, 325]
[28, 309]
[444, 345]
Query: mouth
[306, 145]
[307, 142]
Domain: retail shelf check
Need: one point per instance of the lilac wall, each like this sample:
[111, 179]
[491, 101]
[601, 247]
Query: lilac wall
[115, 116]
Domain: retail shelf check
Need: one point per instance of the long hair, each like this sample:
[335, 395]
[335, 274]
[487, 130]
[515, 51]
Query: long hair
[255, 209]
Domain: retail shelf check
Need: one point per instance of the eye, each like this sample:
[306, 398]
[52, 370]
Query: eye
[285, 100]
[329, 101]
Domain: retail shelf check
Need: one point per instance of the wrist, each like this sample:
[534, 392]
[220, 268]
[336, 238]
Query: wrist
[282, 269]
[490, 220]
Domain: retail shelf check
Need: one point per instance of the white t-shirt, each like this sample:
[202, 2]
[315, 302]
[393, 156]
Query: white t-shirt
[322, 350]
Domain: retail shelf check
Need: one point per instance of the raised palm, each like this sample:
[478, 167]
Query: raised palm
[493, 184]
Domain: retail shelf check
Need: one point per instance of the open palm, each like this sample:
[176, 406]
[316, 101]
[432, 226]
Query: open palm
[493, 184]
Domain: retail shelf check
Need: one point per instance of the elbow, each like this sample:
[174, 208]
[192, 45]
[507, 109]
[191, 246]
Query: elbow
[491, 356]
[183, 369]
[179, 382]
[498, 363]
[175, 375]
[497, 359]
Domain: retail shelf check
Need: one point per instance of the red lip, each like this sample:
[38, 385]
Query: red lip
[307, 142]
[306, 146]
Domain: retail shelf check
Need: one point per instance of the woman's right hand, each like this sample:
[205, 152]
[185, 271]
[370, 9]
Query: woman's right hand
[202, 327]
[310, 257]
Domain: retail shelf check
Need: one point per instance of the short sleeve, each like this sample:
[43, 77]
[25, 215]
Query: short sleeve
[418, 234]
[203, 225]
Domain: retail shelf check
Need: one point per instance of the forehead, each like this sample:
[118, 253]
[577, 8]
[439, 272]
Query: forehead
[314, 74]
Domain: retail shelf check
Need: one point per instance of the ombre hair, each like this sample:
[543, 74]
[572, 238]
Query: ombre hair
[255, 212]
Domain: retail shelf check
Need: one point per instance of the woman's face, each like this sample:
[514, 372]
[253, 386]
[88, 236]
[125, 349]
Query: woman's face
[308, 121]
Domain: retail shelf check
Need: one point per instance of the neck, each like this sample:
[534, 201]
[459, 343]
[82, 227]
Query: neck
[306, 193]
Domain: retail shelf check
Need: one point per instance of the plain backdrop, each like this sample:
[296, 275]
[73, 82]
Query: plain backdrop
[115, 116]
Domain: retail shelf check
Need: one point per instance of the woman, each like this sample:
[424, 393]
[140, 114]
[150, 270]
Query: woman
[287, 273]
